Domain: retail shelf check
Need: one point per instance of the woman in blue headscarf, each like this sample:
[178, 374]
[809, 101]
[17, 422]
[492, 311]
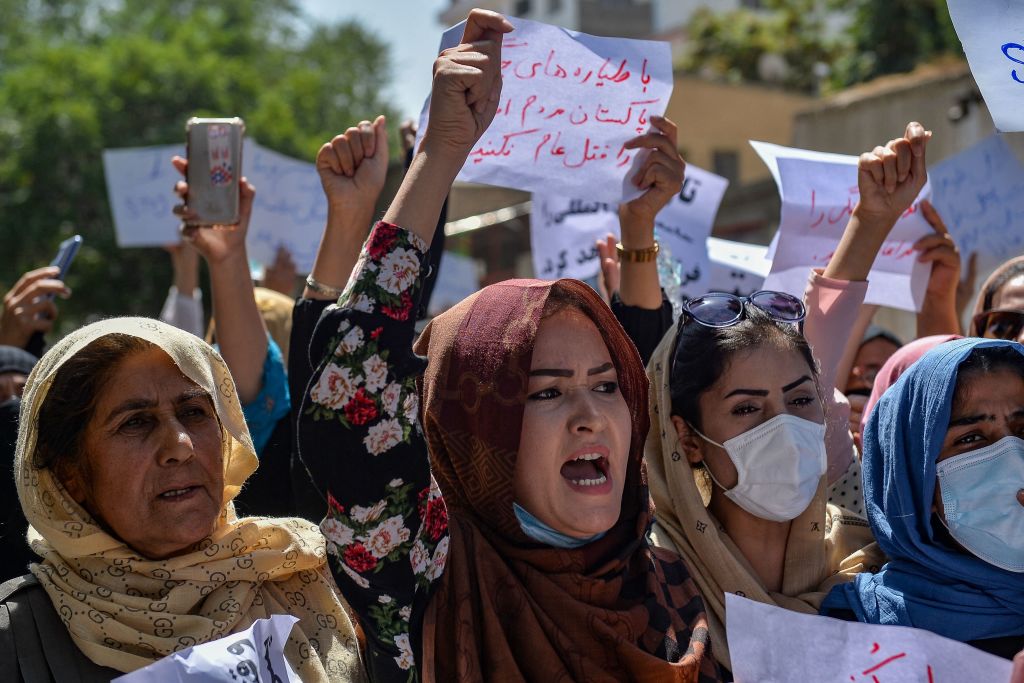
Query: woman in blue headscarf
[944, 492]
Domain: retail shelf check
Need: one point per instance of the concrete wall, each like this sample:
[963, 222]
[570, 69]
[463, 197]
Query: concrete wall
[719, 116]
[862, 117]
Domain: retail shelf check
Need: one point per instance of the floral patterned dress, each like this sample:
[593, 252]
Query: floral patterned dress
[360, 437]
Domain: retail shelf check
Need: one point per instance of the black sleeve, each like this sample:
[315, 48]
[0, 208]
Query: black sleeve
[645, 326]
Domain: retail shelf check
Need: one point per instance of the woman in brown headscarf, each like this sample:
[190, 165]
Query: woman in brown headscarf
[527, 559]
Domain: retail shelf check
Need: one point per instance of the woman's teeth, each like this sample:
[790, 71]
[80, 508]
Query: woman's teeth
[175, 493]
[590, 482]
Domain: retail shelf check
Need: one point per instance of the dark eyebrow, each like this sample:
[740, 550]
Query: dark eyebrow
[747, 392]
[560, 372]
[143, 403]
[970, 420]
[794, 385]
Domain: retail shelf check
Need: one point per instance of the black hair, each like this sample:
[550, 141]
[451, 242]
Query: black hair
[71, 401]
[703, 353]
[983, 361]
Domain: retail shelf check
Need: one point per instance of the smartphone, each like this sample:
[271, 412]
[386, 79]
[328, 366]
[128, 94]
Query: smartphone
[66, 253]
[214, 169]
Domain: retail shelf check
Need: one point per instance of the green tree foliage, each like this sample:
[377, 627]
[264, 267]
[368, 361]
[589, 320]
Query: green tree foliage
[893, 37]
[79, 76]
[736, 45]
[787, 42]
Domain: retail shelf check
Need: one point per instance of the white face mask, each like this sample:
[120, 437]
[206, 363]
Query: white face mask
[779, 465]
[979, 496]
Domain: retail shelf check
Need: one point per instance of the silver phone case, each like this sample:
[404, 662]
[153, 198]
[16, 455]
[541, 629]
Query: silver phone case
[214, 169]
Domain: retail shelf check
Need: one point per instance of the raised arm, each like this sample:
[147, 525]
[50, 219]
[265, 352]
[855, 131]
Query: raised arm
[939, 314]
[358, 429]
[240, 332]
[889, 179]
[352, 168]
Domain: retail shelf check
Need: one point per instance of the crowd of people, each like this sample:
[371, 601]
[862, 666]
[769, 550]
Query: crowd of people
[479, 500]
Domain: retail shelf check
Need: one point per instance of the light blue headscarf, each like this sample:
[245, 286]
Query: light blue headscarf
[926, 584]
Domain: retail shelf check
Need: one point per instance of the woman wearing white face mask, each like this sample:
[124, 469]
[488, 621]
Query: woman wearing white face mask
[748, 436]
[944, 486]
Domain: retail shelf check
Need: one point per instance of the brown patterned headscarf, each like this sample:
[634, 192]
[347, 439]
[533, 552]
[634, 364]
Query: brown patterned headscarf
[511, 609]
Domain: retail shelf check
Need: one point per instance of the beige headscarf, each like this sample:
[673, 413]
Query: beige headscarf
[125, 611]
[827, 545]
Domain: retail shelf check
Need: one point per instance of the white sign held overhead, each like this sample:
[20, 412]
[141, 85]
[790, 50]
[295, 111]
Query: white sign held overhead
[818, 195]
[289, 211]
[980, 196]
[563, 232]
[255, 654]
[140, 186]
[290, 208]
[568, 103]
[769, 644]
[736, 267]
[992, 33]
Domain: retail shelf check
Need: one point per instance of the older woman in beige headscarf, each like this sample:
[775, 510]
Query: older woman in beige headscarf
[131, 513]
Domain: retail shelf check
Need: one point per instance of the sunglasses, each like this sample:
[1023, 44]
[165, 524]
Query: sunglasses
[725, 310]
[720, 310]
[999, 324]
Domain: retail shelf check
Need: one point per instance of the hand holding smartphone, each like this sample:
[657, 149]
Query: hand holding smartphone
[214, 169]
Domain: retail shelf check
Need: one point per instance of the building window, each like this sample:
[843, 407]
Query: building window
[726, 163]
[522, 8]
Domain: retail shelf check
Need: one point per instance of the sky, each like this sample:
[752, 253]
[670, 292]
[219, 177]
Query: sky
[413, 31]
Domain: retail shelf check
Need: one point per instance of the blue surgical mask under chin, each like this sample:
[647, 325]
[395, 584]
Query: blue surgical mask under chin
[542, 533]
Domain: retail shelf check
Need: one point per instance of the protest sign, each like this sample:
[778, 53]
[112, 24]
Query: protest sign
[140, 186]
[769, 644]
[818, 197]
[289, 210]
[256, 654]
[992, 33]
[980, 196]
[568, 103]
[563, 232]
[736, 267]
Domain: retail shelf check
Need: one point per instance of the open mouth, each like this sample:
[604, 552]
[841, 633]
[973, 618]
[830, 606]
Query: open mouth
[588, 470]
[180, 494]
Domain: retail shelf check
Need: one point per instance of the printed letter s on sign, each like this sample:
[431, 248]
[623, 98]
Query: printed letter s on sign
[1006, 51]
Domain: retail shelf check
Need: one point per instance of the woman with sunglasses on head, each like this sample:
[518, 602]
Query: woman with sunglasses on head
[747, 434]
[999, 312]
[487, 512]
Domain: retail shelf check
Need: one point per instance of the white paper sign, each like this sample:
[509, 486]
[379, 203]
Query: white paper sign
[256, 654]
[736, 267]
[140, 186]
[768, 644]
[992, 33]
[818, 197]
[980, 195]
[563, 231]
[568, 103]
[290, 209]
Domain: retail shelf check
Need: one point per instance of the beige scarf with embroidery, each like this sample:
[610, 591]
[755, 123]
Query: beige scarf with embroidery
[125, 611]
[827, 545]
